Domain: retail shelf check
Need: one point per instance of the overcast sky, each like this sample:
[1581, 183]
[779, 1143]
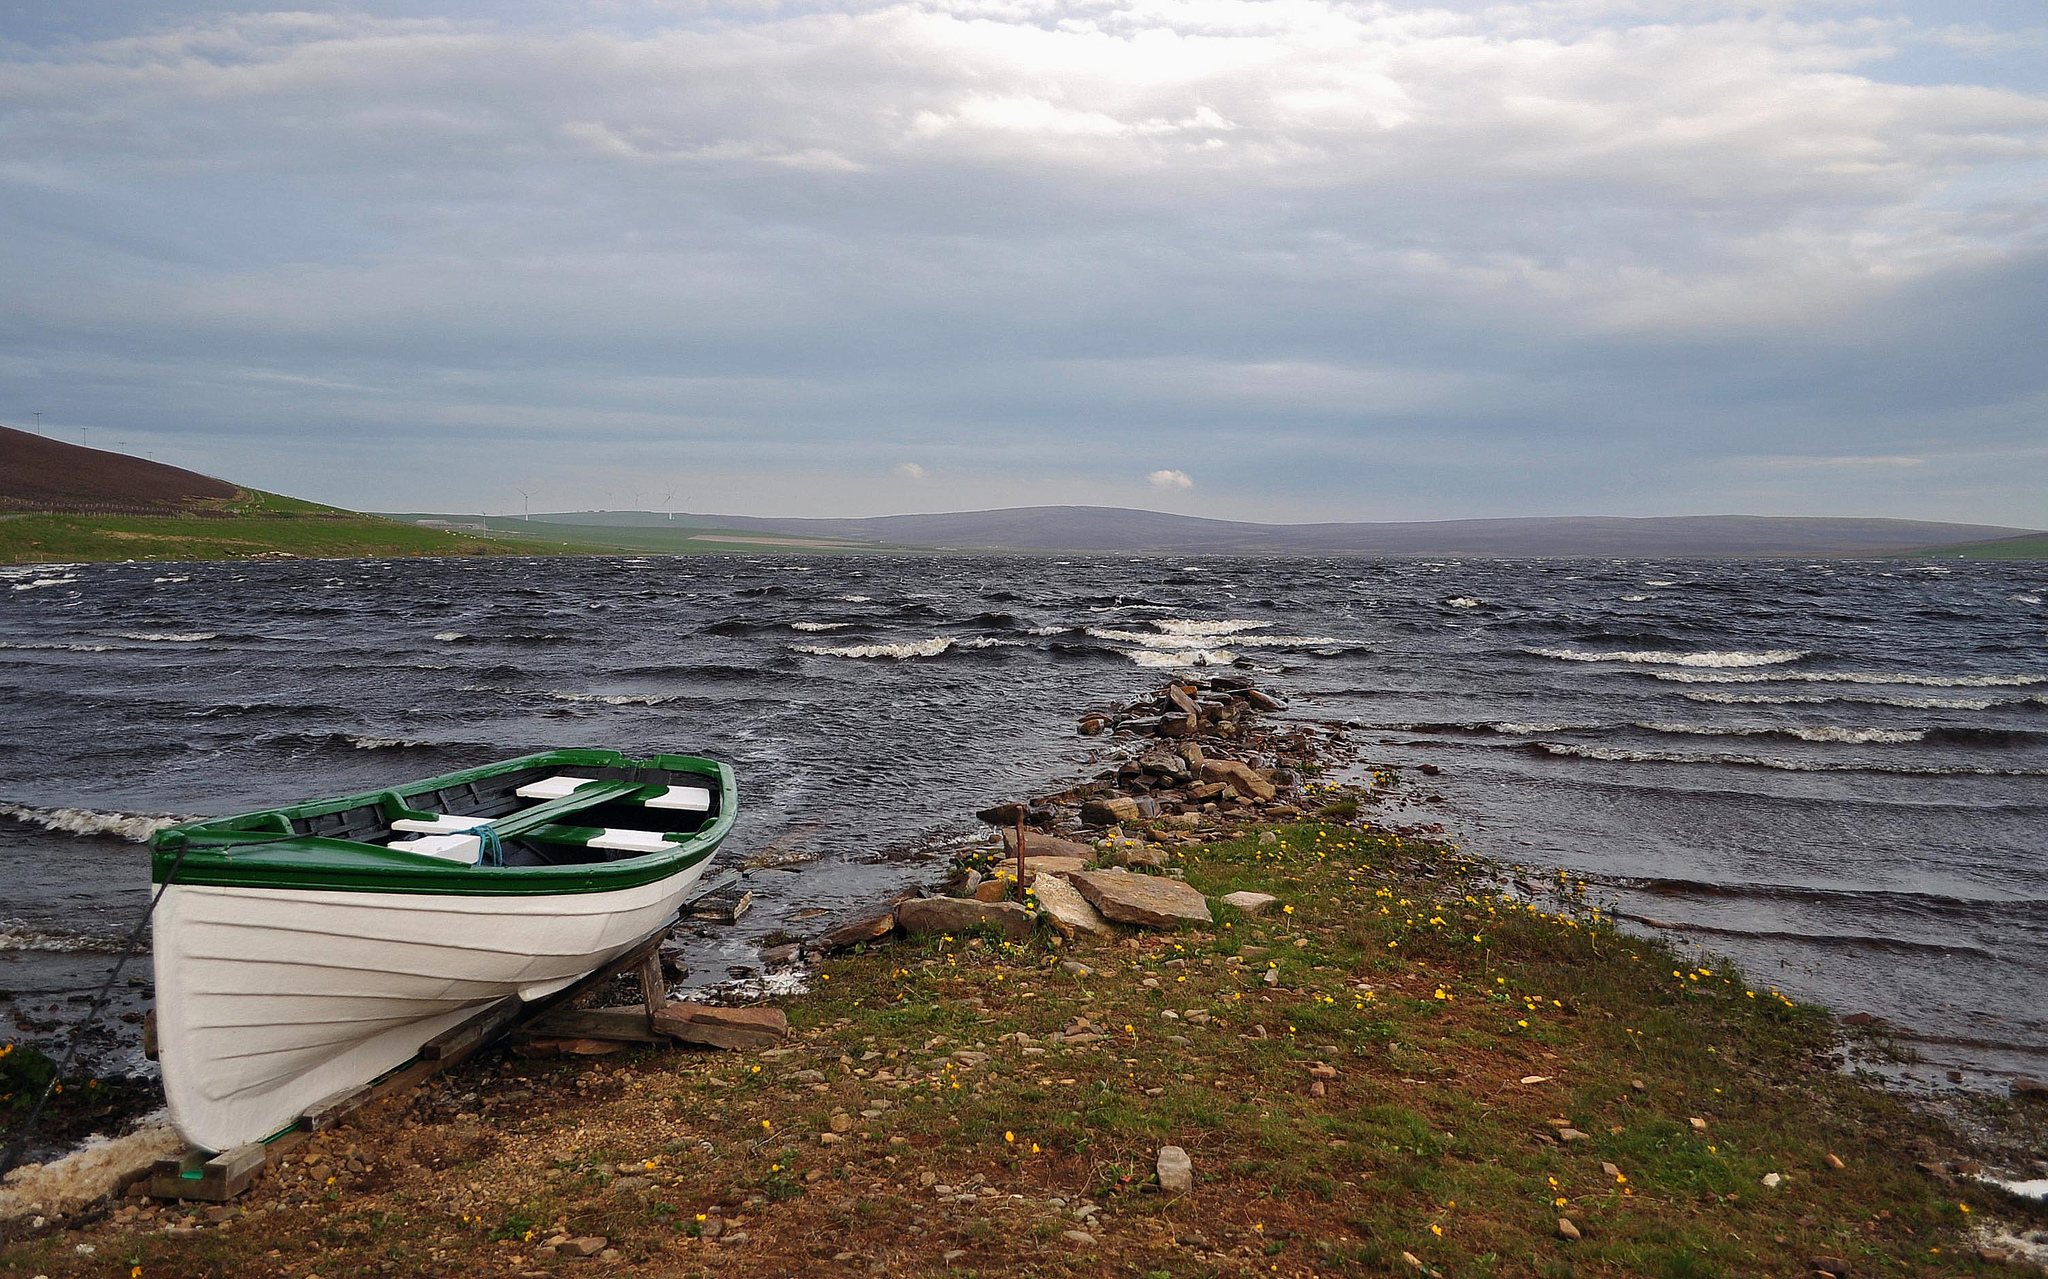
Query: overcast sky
[1284, 259]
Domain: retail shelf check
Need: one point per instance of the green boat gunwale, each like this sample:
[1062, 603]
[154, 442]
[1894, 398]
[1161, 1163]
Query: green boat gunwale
[257, 850]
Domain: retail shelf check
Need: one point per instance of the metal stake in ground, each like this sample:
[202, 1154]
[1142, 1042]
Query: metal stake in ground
[1020, 852]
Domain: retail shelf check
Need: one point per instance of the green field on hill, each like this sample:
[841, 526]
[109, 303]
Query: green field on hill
[2034, 547]
[253, 524]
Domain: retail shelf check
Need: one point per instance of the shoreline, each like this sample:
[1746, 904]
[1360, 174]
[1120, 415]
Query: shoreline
[890, 1002]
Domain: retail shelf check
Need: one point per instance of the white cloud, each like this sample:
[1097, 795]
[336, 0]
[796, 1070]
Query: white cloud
[1170, 481]
[911, 471]
[995, 233]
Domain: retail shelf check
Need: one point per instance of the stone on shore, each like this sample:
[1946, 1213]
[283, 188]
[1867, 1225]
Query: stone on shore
[1037, 845]
[1176, 1171]
[849, 935]
[1113, 811]
[1068, 910]
[952, 915]
[1242, 778]
[722, 1027]
[1035, 866]
[1249, 902]
[1148, 900]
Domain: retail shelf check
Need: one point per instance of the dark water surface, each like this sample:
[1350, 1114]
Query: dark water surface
[1836, 772]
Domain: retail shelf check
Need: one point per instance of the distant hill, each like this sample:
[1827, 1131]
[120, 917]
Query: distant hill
[1098, 528]
[62, 503]
[41, 474]
[2033, 546]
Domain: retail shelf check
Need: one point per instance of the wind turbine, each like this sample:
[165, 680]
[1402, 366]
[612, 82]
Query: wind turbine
[667, 500]
[525, 504]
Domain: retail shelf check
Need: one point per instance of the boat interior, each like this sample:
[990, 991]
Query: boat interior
[547, 815]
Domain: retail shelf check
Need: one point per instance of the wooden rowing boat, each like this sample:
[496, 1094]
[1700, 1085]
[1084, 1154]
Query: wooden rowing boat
[304, 951]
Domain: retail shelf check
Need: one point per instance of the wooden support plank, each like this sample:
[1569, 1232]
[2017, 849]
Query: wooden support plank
[457, 1042]
[332, 1109]
[629, 1025]
[653, 985]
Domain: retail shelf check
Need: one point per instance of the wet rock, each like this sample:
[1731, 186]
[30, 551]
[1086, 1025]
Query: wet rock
[1148, 900]
[1176, 1171]
[2025, 1086]
[952, 915]
[1069, 911]
[1004, 814]
[788, 953]
[848, 935]
[1249, 902]
[970, 881]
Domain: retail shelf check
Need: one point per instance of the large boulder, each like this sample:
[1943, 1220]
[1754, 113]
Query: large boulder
[1242, 778]
[1068, 910]
[1149, 900]
[1114, 810]
[953, 915]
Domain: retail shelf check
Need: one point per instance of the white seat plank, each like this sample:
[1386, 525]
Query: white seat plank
[440, 824]
[632, 841]
[449, 848]
[557, 787]
[689, 799]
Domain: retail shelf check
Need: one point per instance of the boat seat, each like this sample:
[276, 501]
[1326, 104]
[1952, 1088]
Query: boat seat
[466, 849]
[559, 786]
[689, 799]
[631, 841]
[440, 824]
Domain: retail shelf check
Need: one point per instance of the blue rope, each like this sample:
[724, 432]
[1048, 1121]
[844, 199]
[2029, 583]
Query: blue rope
[492, 852]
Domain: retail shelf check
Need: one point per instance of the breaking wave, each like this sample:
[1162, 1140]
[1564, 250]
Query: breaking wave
[619, 699]
[134, 827]
[1162, 659]
[1761, 761]
[1177, 640]
[1658, 657]
[166, 637]
[1854, 677]
[819, 626]
[1463, 601]
[895, 652]
[1906, 703]
[18, 939]
[1186, 626]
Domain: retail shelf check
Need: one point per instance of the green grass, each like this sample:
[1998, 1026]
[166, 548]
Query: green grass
[2031, 547]
[1367, 1106]
[252, 523]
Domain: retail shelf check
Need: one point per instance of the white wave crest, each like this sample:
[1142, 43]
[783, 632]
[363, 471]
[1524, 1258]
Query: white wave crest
[2024, 599]
[134, 827]
[1633, 599]
[365, 742]
[62, 648]
[1186, 626]
[1463, 601]
[159, 581]
[166, 637]
[1855, 677]
[42, 582]
[1660, 582]
[1815, 699]
[18, 938]
[858, 599]
[990, 641]
[1763, 761]
[449, 637]
[618, 699]
[1175, 642]
[819, 626]
[1048, 630]
[895, 652]
[1152, 657]
[1821, 733]
[1657, 657]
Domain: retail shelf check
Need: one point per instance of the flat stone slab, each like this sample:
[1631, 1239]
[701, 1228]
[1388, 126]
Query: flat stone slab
[953, 915]
[1148, 900]
[1249, 902]
[1068, 910]
[1036, 866]
[1176, 1171]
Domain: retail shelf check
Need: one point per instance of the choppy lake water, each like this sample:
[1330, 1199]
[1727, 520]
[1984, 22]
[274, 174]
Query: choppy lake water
[1836, 772]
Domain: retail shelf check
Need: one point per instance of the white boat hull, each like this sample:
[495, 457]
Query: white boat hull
[269, 1000]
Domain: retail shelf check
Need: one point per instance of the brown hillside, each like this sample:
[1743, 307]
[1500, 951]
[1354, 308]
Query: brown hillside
[42, 474]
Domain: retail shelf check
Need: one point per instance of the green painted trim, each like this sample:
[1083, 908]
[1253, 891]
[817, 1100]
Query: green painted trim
[257, 850]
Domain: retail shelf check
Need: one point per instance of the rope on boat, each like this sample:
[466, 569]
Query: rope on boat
[99, 1003]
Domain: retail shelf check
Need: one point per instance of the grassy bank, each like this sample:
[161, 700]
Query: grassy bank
[252, 524]
[1394, 1070]
[2034, 547]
